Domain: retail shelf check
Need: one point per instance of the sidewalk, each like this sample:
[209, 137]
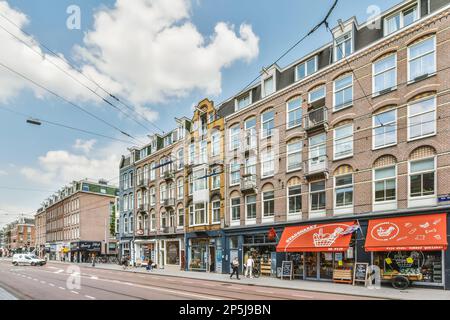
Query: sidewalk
[385, 292]
[4, 295]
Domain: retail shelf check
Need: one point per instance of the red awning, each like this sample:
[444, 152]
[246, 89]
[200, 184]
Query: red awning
[424, 232]
[316, 238]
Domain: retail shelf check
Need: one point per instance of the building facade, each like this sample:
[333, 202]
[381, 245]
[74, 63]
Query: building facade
[41, 224]
[20, 236]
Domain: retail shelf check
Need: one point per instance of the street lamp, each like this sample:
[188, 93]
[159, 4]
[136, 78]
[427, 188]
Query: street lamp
[34, 122]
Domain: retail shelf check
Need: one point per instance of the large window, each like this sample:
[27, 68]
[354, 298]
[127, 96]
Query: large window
[250, 133]
[180, 160]
[192, 155]
[235, 172]
[294, 199]
[216, 211]
[344, 46]
[199, 214]
[384, 74]
[235, 137]
[180, 188]
[317, 195]
[162, 192]
[317, 152]
[267, 163]
[152, 171]
[200, 180]
[294, 113]
[203, 151]
[306, 68]
[343, 190]
[343, 141]
[268, 203]
[215, 181]
[343, 92]
[235, 209]
[267, 123]
[152, 196]
[250, 207]
[422, 118]
[400, 20]
[384, 130]
[422, 59]
[294, 155]
[422, 178]
[385, 184]
[215, 144]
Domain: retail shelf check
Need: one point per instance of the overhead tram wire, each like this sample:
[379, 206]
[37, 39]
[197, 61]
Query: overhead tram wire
[56, 55]
[69, 102]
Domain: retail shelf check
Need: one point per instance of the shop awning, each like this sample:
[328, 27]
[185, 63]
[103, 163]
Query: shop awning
[423, 232]
[317, 237]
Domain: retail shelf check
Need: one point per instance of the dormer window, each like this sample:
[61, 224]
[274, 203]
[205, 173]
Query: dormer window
[243, 101]
[306, 68]
[269, 86]
[343, 46]
[400, 20]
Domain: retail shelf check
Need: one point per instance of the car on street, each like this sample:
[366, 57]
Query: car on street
[27, 259]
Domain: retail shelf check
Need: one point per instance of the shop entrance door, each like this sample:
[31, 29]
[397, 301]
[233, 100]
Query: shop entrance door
[311, 263]
[326, 265]
[319, 265]
[212, 259]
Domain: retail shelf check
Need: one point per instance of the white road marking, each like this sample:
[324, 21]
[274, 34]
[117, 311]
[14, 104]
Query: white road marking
[264, 291]
[302, 296]
[61, 288]
[43, 282]
[52, 267]
[51, 284]
[89, 297]
[94, 278]
[74, 292]
[59, 271]
[35, 280]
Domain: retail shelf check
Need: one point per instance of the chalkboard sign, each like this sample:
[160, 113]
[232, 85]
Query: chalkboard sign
[286, 269]
[361, 273]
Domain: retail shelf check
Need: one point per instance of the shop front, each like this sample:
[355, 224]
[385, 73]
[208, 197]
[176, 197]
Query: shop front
[146, 252]
[205, 251]
[411, 248]
[162, 252]
[81, 251]
[319, 251]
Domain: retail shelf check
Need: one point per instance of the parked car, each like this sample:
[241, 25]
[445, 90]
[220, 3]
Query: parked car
[27, 259]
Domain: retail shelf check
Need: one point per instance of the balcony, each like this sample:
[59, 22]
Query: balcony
[316, 167]
[169, 202]
[316, 119]
[143, 207]
[169, 230]
[248, 184]
[169, 175]
[141, 183]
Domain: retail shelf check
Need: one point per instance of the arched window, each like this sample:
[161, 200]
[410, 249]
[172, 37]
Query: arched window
[294, 112]
[267, 123]
[235, 137]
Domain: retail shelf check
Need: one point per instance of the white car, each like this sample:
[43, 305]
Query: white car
[27, 259]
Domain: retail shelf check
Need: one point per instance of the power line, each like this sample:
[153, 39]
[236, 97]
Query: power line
[78, 71]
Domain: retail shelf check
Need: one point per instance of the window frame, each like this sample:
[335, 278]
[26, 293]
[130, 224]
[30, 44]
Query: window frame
[408, 61]
[335, 189]
[400, 13]
[251, 203]
[289, 112]
[347, 104]
[337, 44]
[395, 110]
[267, 157]
[232, 206]
[315, 192]
[288, 197]
[289, 153]
[213, 221]
[234, 162]
[305, 64]
[232, 136]
[375, 92]
[317, 89]
[434, 158]
[346, 137]
[264, 200]
[408, 121]
[263, 122]
[375, 180]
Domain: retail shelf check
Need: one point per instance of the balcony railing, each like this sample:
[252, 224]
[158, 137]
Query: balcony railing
[316, 165]
[248, 183]
[316, 118]
[143, 207]
[169, 202]
[169, 175]
[169, 229]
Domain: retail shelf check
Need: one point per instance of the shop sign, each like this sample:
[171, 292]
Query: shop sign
[286, 269]
[361, 273]
[444, 198]
[86, 246]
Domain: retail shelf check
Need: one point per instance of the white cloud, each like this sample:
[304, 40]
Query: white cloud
[3, 173]
[84, 145]
[155, 52]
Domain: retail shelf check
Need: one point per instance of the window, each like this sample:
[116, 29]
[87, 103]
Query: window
[125, 224]
[152, 171]
[125, 202]
[190, 184]
[200, 180]
[200, 213]
[152, 196]
[384, 130]
[306, 68]
[294, 155]
[244, 101]
[294, 113]
[216, 211]
[215, 181]
[250, 133]
[131, 201]
[344, 46]
[192, 153]
[180, 156]
[250, 168]
[180, 217]
[215, 144]
[343, 190]
[343, 141]
[422, 178]
[317, 195]
[162, 192]
[235, 137]
[235, 172]
[422, 118]
[180, 188]
[125, 181]
[316, 94]
[267, 163]
[422, 59]
[343, 92]
[235, 209]
[385, 184]
[269, 86]
[400, 20]
[294, 200]
[163, 219]
[250, 207]
[268, 203]
[384, 74]
[203, 151]
[267, 123]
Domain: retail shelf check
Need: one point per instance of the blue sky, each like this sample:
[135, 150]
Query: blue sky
[47, 157]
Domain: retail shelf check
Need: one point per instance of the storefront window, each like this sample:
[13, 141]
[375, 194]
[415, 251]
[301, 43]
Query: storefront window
[199, 255]
[173, 252]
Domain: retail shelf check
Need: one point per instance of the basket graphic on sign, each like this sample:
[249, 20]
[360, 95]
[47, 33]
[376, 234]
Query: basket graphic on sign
[322, 240]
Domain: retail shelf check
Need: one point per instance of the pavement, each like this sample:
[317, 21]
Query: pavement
[5, 295]
[63, 281]
[385, 292]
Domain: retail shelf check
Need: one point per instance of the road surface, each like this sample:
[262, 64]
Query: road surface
[59, 282]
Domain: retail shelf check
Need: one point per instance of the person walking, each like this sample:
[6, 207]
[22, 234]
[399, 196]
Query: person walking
[93, 259]
[249, 267]
[235, 267]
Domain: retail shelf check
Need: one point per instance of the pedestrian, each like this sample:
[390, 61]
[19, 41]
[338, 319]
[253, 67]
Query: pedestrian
[249, 267]
[150, 265]
[93, 259]
[235, 267]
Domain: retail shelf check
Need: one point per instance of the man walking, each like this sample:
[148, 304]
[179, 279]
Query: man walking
[249, 267]
[235, 267]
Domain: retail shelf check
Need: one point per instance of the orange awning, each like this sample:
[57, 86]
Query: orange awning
[316, 238]
[424, 232]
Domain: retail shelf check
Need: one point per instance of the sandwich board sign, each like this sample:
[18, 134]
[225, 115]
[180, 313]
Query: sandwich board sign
[361, 273]
[286, 269]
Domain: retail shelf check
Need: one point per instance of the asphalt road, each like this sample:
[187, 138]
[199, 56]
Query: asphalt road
[60, 282]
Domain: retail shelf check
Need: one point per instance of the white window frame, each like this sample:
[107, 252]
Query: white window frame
[236, 163]
[180, 188]
[314, 192]
[250, 133]
[290, 152]
[264, 200]
[267, 156]
[347, 104]
[307, 71]
[213, 179]
[212, 211]
[235, 221]
[205, 209]
[264, 93]
[215, 144]
[180, 156]
[288, 112]
[434, 158]
[246, 209]
[335, 142]
[421, 114]
[400, 13]
[421, 56]
[235, 137]
[376, 92]
[337, 44]
[288, 197]
[152, 171]
[152, 196]
[375, 180]
[178, 218]
[317, 89]
[374, 127]
[249, 94]
[263, 122]
[203, 156]
[336, 188]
